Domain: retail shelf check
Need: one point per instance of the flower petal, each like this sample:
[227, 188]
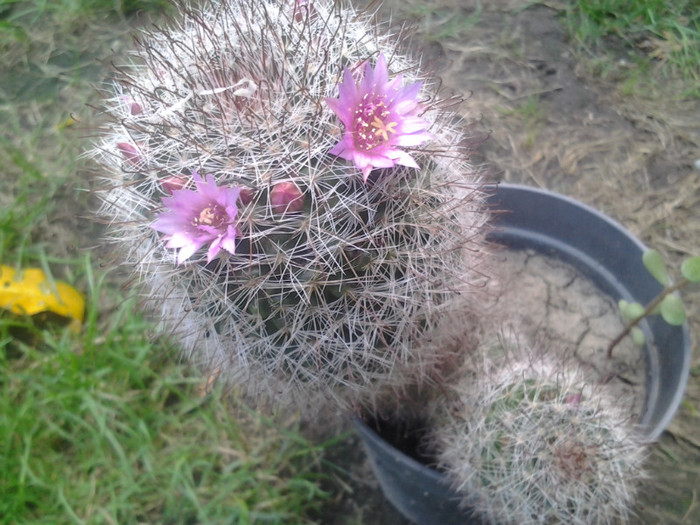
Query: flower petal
[409, 140]
[186, 252]
[403, 158]
[180, 239]
[228, 242]
[413, 125]
[214, 249]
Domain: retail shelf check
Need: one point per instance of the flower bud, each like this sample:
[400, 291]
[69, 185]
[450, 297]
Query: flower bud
[286, 197]
[134, 107]
[573, 400]
[302, 9]
[246, 196]
[130, 152]
[172, 183]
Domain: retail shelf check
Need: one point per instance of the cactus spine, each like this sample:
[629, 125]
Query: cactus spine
[335, 284]
[528, 440]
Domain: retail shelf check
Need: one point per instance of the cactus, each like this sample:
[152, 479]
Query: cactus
[294, 262]
[527, 439]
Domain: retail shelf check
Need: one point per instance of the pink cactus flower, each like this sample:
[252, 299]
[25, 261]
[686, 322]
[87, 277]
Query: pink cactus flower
[198, 217]
[573, 400]
[380, 117]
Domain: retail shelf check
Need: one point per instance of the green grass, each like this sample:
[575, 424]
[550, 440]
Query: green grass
[107, 426]
[666, 31]
[104, 428]
[50, 51]
[54, 32]
[73, 12]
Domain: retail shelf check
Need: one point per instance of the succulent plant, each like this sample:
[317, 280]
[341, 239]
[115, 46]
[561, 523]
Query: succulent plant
[528, 439]
[293, 194]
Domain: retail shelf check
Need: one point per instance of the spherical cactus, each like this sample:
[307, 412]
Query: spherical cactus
[293, 194]
[531, 441]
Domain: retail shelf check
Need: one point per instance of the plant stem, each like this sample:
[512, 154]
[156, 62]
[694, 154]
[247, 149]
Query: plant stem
[647, 311]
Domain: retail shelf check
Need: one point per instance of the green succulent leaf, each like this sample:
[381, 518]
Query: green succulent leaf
[638, 336]
[630, 311]
[691, 269]
[672, 310]
[657, 267]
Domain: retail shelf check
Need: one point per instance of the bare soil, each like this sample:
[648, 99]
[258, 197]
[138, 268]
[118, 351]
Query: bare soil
[568, 122]
[550, 305]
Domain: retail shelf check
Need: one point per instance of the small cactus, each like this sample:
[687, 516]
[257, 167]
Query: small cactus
[351, 232]
[527, 440]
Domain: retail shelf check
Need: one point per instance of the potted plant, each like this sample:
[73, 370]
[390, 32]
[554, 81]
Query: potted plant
[604, 251]
[296, 200]
[295, 196]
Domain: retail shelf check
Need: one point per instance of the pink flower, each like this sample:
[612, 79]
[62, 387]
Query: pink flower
[379, 118]
[197, 217]
[573, 400]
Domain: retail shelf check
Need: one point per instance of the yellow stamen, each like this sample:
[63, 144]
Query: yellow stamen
[210, 216]
[207, 216]
[383, 129]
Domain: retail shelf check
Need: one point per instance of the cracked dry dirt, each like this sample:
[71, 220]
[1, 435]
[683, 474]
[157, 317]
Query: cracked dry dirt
[554, 307]
[559, 120]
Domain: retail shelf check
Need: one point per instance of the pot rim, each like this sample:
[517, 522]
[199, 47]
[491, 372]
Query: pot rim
[652, 425]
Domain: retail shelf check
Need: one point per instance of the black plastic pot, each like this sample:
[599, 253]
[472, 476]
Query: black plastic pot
[611, 257]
